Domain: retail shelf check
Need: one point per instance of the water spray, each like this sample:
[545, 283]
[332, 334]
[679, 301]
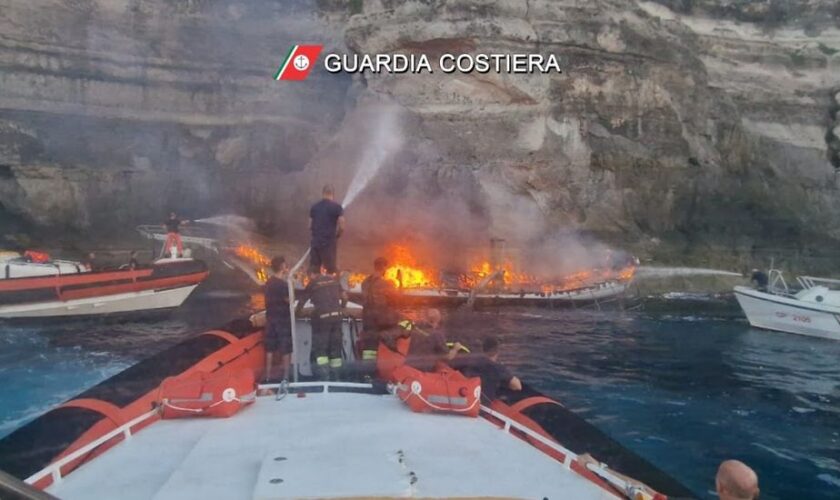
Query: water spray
[385, 141]
[668, 272]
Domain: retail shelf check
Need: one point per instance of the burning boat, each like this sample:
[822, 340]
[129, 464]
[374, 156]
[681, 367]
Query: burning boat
[493, 279]
[496, 280]
[35, 286]
[488, 282]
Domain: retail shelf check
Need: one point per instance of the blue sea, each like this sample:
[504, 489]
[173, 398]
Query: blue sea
[684, 382]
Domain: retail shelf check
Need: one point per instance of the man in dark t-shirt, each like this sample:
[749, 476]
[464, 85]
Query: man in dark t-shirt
[278, 318]
[326, 222]
[494, 375]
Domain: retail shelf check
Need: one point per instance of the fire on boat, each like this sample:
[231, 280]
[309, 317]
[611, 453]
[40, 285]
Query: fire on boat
[498, 279]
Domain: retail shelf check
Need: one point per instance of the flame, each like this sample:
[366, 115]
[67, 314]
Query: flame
[254, 256]
[484, 268]
[356, 279]
[514, 279]
[405, 272]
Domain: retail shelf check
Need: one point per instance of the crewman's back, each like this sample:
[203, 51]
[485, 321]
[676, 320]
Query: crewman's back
[324, 291]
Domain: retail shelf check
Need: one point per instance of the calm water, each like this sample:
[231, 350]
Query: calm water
[684, 384]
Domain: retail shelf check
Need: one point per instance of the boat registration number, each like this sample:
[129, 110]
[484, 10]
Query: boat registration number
[794, 317]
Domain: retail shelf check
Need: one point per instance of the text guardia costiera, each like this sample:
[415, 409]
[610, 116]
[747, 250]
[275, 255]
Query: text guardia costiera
[446, 63]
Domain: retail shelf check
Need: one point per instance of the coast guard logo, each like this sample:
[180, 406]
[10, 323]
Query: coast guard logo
[298, 62]
[301, 62]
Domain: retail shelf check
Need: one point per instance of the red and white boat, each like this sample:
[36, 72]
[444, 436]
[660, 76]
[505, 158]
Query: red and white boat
[34, 286]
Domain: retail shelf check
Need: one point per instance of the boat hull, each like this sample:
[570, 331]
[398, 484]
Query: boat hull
[164, 285]
[109, 304]
[603, 293]
[783, 314]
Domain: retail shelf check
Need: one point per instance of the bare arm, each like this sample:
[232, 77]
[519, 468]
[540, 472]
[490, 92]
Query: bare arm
[340, 226]
[453, 351]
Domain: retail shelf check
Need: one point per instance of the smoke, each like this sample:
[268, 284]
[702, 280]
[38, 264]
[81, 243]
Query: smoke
[566, 252]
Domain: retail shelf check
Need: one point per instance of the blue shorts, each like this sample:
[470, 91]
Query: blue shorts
[278, 336]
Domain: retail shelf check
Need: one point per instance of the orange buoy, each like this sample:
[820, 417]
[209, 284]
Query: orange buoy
[445, 390]
[203, 394]
[388, 360]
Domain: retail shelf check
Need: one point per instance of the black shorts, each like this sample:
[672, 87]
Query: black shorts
[324, 256]
[326, 338]
[278, 336]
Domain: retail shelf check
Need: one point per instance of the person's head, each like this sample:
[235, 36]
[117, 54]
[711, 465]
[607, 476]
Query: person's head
[91, 255]
[490, 347]
[433, 317]
[278, 265]
[328, 192]
[380, 265]
[736, 481]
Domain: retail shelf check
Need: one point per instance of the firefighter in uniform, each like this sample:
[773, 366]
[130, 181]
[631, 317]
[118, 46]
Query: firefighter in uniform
[378, 313]
[327, 297]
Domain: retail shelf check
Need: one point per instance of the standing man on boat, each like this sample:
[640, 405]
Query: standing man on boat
[326, 223]
[326, 295]
[760, 279]
[173, 234]
[278, 318]
[378, 313]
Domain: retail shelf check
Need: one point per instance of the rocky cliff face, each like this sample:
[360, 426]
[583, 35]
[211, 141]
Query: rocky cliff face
[112, 112]
[676, 126]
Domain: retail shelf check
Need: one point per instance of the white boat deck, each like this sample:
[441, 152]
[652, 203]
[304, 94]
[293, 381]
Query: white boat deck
[320, 446]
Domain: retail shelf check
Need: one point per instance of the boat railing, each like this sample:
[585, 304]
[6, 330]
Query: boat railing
[777, 285]
[811, 281]
[158, 232]
[54, 469]
[325, 387]
[292, 307]
[12, 487]
[629, 489]
[508, 423]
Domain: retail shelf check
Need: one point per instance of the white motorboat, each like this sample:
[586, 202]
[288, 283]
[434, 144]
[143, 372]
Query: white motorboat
[813, 309]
